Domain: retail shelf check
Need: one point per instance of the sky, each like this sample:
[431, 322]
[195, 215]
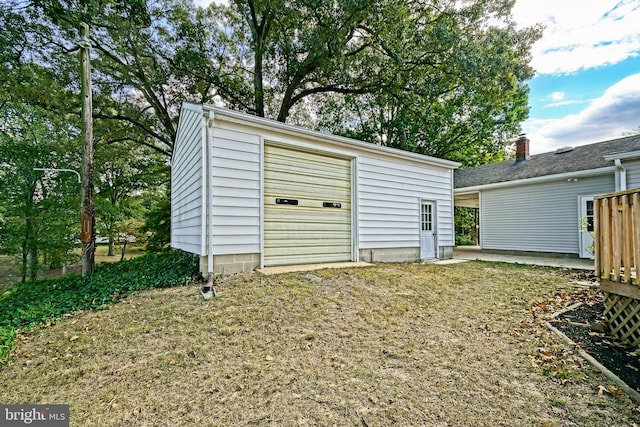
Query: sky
[587, 83]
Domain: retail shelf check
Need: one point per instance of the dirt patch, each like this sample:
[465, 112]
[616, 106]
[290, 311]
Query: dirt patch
[584, 326]
[433, 345]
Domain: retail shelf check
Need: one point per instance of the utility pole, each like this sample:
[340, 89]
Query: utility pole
[88, 231]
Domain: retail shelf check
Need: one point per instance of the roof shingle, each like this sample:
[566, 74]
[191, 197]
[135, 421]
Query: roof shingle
[581, 158]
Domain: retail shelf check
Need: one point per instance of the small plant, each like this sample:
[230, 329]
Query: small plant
[584, 228]
[6, 342]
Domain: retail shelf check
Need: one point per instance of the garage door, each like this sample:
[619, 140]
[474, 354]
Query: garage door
[307, 207]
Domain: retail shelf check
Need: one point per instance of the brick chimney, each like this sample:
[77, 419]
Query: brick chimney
[522, 148]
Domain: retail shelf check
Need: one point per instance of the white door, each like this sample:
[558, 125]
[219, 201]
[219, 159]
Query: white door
[585, 222]
[427, 230]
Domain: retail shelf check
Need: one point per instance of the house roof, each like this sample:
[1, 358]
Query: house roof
[582, 158]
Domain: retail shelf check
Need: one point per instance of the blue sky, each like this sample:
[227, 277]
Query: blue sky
[587, 83]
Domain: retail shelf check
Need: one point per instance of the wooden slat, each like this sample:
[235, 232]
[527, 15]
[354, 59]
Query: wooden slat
[597, 237]
[622, 289]
[636, 233]
[627, 238]
[616, 240]
[606, 240]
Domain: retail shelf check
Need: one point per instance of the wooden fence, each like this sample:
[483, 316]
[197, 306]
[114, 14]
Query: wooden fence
[617, 257]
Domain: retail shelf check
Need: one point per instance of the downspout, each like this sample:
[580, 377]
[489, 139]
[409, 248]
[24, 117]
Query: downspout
[209, 291]
[622, 175]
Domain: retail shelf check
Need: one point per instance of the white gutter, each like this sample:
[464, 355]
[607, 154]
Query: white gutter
[622, 156]
[260, 122]
[208, 290]
[537, 180]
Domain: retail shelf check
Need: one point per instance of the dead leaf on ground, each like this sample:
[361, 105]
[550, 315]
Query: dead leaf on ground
[614, 391]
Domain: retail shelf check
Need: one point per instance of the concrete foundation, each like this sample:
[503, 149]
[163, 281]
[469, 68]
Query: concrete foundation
[231, 264]
[445, 252]
[400, 254]
[390, 255]
[242, 263]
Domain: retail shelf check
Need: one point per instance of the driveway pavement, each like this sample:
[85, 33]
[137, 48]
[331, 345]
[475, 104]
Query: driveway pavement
[474, 253]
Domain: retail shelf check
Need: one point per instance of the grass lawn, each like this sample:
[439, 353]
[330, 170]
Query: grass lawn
[433, 345]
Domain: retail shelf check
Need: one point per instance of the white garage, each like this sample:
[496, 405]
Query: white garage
[247, 193]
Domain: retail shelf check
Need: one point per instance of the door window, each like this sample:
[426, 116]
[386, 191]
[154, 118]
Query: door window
[426, 217]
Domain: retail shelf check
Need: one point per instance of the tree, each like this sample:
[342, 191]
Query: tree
[444, 78]
[634, 131]
[439, 78]
[125, 171]
[158, 222]
[40, 209]
[458, 93]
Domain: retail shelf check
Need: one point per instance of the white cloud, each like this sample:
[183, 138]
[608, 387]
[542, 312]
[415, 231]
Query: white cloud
[581, 34]
[561, 103]
[557, 96]
[606, 117]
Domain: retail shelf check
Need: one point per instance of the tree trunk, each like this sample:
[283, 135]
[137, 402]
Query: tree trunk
[33, 263]
[25, 261]
[258, 86]
[124, 249]
[112, 245]
[88, 235]
[28, 243]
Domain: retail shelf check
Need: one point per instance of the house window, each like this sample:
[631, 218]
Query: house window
[426, 217]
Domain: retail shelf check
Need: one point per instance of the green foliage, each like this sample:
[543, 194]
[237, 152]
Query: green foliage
[158, 223]
[456, 83]
[127, 175]
[7, 343]
[465, 225]
[438, 78]
[28, 304]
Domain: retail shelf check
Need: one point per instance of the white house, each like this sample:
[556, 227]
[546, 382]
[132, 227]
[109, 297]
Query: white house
[247, 193]
[538, 203]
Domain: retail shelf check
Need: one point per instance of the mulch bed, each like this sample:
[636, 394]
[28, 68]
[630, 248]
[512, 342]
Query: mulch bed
[581, 326]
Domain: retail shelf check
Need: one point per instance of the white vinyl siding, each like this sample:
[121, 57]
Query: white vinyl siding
[537, 217]
[235, 170]
[187, 185]
[389, 195]
[306, 231]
